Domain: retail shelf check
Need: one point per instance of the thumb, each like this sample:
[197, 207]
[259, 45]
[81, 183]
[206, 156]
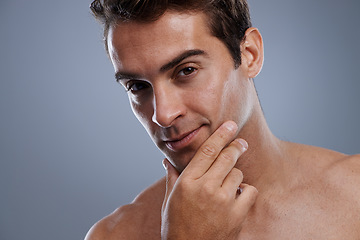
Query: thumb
[171, 177]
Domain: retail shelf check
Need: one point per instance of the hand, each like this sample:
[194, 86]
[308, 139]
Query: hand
[204, 201]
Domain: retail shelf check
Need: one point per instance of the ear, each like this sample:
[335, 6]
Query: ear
[252, 52]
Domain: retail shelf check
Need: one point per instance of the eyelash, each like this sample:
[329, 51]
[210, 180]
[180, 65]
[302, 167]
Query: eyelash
[192, 69]
[131, 83]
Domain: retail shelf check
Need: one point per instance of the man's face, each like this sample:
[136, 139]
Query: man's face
[181, 80]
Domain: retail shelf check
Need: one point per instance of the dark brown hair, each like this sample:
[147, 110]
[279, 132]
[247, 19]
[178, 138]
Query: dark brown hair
[228, 19]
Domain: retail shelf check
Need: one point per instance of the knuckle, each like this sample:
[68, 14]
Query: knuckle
[223, 134]
[228, 157]
[208, 190]
[209, 150]
[222, 197]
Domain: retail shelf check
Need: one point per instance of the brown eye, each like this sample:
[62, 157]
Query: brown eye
[187, 71]
[135, 86]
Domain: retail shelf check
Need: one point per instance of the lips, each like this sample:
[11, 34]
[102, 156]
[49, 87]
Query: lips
[182, 141]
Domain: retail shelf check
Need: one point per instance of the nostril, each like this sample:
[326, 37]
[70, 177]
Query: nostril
[168, 104]
[165, 115]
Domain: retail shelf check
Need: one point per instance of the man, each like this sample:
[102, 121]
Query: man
[188, 67]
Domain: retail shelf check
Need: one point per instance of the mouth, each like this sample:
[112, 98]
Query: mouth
[182, 141]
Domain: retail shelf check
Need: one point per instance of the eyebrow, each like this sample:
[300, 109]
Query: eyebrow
[180, 58]
[123, 75]
[189, 53]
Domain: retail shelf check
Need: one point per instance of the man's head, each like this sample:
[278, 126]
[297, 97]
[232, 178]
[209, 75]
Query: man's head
[181, 80]
[227, 19]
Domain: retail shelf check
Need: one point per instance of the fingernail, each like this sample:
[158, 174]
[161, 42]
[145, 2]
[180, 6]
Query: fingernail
[243, 143]
[230, 125]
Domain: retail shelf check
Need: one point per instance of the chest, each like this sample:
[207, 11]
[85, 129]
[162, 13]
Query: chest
[307, 217]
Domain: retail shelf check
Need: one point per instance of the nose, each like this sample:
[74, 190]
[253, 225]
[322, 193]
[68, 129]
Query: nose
[168, 106]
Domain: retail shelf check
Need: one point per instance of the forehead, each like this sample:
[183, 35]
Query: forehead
[138, 45]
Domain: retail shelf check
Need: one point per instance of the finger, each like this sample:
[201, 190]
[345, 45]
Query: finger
[232, 182]
[245, 200]
[226, 161]
[210, 149]
[171, 177]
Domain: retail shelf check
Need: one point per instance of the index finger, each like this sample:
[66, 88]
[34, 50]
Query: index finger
[210, 149]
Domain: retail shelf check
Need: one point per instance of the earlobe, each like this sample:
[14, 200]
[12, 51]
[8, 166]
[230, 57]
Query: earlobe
[252, 52]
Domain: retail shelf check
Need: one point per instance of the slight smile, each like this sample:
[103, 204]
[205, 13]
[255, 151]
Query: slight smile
[182, 141]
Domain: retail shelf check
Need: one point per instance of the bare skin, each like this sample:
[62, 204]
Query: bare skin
[290, 191]
[323, 204]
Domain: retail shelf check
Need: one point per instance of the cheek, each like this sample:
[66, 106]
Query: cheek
[231, 95]
[233, 98]
[143, 113]
[210, 96]
[204, 100]
[221, 94]
[239, 102]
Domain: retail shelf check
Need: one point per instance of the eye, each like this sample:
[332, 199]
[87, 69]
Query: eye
[135, 86]
[187, 71]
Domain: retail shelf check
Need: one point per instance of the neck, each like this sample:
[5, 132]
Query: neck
[264, 164]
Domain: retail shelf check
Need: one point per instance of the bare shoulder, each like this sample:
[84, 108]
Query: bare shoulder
[324, 159]
[345, 172]
[343, 168]
[331, 185]
[333, 170]
[340, 173]
[137, 220]
[343, 179]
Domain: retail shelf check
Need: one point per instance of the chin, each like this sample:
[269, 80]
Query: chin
[180, 162]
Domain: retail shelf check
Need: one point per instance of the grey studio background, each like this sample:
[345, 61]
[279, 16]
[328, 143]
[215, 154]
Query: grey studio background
[70, 149]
